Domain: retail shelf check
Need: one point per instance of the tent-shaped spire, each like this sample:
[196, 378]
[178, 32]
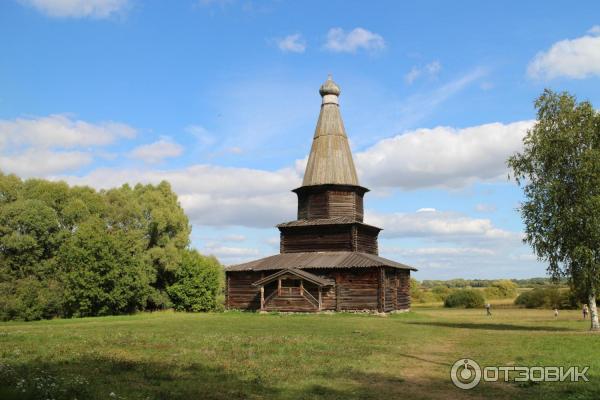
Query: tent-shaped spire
[330, 159]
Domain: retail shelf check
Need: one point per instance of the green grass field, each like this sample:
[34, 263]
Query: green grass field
[329, 356]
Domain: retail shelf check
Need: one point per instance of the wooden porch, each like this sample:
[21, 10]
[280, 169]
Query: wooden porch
[292, 290]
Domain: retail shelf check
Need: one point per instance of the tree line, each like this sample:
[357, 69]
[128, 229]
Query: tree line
[74, 251]
[483, 283]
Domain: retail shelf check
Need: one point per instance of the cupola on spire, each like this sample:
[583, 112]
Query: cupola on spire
[330, 160]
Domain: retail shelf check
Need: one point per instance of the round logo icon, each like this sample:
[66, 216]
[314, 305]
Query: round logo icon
[465, 374]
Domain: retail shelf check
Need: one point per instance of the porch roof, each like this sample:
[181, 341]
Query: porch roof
[305, 275]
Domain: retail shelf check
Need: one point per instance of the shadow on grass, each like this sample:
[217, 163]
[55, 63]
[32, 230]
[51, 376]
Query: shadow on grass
[492, 326]
[110, 378]
[104, 377]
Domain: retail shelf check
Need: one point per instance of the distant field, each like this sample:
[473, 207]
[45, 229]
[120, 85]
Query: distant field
[251, 356]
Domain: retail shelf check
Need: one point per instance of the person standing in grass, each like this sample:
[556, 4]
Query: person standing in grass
[488, 309]
[556, 313]
[585, 311]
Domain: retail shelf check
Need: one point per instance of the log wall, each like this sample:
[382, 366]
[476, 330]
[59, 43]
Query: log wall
[378, 289]
[366, 240]
[240, 294]
[343, 237]
[330, 203]
[319, 238]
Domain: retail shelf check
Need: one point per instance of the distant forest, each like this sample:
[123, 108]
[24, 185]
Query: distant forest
[74, 251]
[463, 283]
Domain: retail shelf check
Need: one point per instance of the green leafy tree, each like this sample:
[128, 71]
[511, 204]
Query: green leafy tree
[10, 186]
[559, 170]
[29, 238]
[198, 283]
[102, 272]
[501, 289]
[152, 216]
[166, 230]
[30, 299]
[75, 251]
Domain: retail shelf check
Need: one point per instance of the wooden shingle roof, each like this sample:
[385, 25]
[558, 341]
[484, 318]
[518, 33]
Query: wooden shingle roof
[330, 160]
[342, 220]
[327, 259]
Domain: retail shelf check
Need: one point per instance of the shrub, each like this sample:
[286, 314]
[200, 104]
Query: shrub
[441, 292]
[467, 298]
[198, 283]
[29, 299]
[416, 293]
[547, 297]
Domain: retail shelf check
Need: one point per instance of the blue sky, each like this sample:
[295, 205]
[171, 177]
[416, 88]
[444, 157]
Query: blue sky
[221, 98]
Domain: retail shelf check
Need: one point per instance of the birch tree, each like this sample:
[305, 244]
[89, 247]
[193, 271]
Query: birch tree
[559, 171]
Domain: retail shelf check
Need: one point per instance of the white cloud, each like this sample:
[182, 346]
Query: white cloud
[442, 156]
[60, 130]
[340, 41]
[438, 225]
[292, 43]
[418, 106]
[54, 144]
[485, 208]
[273, 241]
[156, 152]
[412, 75]
[222, 3]
[78, 8]
[571, 58]
[432, 69]
[36, 162]
[213, 195]
[439, 251]
[446, 244]
[204, 136]
[594, 30]
[227, 252]
[234, 238]
[235, 150]
[501, 260]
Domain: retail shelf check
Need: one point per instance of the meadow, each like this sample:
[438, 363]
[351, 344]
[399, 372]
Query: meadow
[234, 355]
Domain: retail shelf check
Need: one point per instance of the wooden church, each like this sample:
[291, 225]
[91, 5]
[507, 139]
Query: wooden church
[328, 257]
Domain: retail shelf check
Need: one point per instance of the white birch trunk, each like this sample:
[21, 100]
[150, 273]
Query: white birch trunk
[593, 312]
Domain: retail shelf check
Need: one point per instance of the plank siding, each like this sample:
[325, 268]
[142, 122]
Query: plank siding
[403, 302]
[331, 203]
[318, 205]
[366, 240]
[331, 238]
[390, 290]
[241, 294]
[341, 204]
[359, 207]
[302, 207]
